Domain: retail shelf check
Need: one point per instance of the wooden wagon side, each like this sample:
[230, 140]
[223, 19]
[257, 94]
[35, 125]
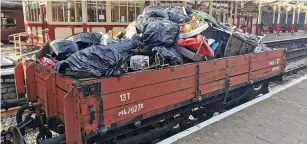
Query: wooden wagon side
[108, 103]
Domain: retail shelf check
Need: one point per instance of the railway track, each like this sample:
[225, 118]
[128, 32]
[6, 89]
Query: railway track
[10, 111]
[296, 52]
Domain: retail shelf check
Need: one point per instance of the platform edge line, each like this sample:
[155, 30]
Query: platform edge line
[230, 112]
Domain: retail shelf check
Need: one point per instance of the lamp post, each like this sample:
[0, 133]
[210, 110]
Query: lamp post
[278, 20]
[273, 22]
[305, 20]
[293, 19]
[301, 7]
[259, 18]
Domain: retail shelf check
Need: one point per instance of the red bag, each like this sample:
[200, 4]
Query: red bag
[47, 62]
[197, 44]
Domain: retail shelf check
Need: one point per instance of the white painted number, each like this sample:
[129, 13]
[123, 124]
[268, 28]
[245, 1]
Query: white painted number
[275, 68]
[274, 62]
[131, 109]
[124, 97]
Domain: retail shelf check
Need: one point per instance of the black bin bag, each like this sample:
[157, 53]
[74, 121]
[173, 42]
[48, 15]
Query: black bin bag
[124, 46]
[98, 60]
[152, 8]
[142, 22]
[85, 39]
[155, 11]
[170, 54]
[94, 61]
[160, 33]
[177, 15]
[150, 14]
[61, 49]
[63, 46]
[176, 18]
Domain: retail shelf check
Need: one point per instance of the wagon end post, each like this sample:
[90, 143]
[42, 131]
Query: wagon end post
[72, 119]
[19, 80]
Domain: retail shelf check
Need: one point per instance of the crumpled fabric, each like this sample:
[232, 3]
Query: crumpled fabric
[170, 54]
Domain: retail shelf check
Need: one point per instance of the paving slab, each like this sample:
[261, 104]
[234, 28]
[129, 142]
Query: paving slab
[280, 119]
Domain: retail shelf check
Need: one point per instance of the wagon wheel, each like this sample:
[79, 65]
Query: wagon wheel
[237, 97]
[261, 88]
[43, 134]
[17, 137]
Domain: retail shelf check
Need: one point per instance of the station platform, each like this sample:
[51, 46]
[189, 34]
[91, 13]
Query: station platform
[283, 36]
[278, 119]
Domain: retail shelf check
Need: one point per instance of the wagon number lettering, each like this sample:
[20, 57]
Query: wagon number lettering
[275, 68]
[131, 109]
[274, 62]
[124, 97]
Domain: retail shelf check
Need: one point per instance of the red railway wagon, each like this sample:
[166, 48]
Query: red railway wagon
[102, 105]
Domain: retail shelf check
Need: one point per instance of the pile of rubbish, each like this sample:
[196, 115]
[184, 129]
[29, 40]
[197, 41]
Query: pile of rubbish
[159, 37]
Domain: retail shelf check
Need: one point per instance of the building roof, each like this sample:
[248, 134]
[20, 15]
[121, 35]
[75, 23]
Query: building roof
[10, 5]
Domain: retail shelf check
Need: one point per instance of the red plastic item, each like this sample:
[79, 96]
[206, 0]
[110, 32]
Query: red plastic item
[46, 62]
[197, 44]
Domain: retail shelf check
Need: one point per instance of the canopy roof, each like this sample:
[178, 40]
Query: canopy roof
[286, 4]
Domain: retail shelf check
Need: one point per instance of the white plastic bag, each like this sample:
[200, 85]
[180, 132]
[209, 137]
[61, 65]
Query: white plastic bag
[139, 62]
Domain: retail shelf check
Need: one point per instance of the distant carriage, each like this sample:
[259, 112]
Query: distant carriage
[11, 19]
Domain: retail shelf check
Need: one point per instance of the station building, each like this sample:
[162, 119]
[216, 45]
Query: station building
[259, 16]
[59, 19]
[55, 19]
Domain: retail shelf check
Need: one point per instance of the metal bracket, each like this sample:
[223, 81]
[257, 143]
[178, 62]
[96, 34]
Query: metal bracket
[227, 82]
[197, 91]
[95, 89]
[92, 113]
[90, 89]
[227, 85]
[250, 70]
